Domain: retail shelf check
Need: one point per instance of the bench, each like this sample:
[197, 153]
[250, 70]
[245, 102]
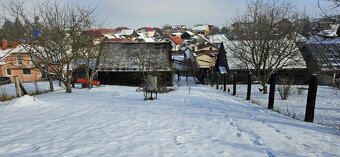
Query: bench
[85, 81]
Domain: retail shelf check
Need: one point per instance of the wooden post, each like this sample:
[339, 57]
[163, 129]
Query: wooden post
[272, 91]
[234, 83]
[208, 78]
[216, 80]
[212, 79]
[334, 79]
[224, 82]
[311, 98]
[17, 86]
[51, 83]
[178, 76]
[249, 86]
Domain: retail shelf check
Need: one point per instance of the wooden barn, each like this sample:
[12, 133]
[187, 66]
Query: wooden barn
[322, 56]
[129, 63]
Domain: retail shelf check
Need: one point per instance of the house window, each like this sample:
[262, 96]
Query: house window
[8, 72]
[19, 59]
[26, 71]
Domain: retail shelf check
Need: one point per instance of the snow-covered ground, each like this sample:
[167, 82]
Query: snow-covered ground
[9, 89]
[327, 107]
[116, 121]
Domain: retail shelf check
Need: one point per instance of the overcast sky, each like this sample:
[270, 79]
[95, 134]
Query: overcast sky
[157, 13]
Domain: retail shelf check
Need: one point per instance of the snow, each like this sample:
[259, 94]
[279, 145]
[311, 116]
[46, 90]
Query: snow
[9, 89]
[116, 121]
[327, 106]
[127, 32]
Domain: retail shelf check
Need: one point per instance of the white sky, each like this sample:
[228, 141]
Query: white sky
[157, 13]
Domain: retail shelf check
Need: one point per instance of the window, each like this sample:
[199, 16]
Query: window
[8, 72]
[26, 71]
[19, 59]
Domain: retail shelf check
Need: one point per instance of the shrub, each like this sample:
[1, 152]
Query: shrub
[285, 88]
[3, 95]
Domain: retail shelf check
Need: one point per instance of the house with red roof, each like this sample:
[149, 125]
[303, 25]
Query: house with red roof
[16, 61]
[147, 31]
[176, 42]
[94, 34]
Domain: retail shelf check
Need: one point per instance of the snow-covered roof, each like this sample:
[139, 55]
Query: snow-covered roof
[217, 38]
[127, 32]
[200, 28]
[319, 39]
[146, 39]
[9, 51]
[235, 63]
[176, 34]
[190, 33]
[324, 51]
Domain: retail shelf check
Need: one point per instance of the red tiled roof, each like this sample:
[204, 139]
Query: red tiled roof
[94, 34]
[149, 29]
[176, 39]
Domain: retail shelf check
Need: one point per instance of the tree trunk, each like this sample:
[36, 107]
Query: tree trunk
[265, 89]
[51, 83]
[68, 86]
[89, 86]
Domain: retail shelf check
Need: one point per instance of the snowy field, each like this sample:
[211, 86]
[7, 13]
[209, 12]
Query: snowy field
[327, 107]
[9, 89]
[116, 121]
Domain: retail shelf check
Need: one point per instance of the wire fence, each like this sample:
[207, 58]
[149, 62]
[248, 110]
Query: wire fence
[291, 100]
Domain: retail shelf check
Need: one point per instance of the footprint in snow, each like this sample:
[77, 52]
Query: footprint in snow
[270, 154]
[258, 141]
[238, 134]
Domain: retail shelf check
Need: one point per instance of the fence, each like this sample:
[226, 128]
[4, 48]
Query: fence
[11, 90]
[290, 99]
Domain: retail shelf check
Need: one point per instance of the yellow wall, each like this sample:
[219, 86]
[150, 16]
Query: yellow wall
[201, 60]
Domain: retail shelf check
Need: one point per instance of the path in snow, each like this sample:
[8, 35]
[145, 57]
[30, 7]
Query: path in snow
[114, 120]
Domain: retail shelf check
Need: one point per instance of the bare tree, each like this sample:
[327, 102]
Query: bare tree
[59, 42]
[91, 59]
[266, 38]
[329, 7]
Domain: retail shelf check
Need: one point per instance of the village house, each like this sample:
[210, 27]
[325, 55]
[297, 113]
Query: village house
[95, 35]
[202, 29]
[175, 42]
[147, 31]
[175, 29]
[16, 61]
[188, 35]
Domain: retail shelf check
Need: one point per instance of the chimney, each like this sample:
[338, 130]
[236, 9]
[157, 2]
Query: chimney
[4, 44]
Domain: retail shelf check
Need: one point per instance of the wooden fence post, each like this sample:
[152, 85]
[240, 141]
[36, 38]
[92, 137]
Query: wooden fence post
[311, 98]
[17, 86]
[272, 91]
[216, 80]
[234, 83]
[212, 79]
[224, 82]
[208, 78]
[249, 85]
[178, 76]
